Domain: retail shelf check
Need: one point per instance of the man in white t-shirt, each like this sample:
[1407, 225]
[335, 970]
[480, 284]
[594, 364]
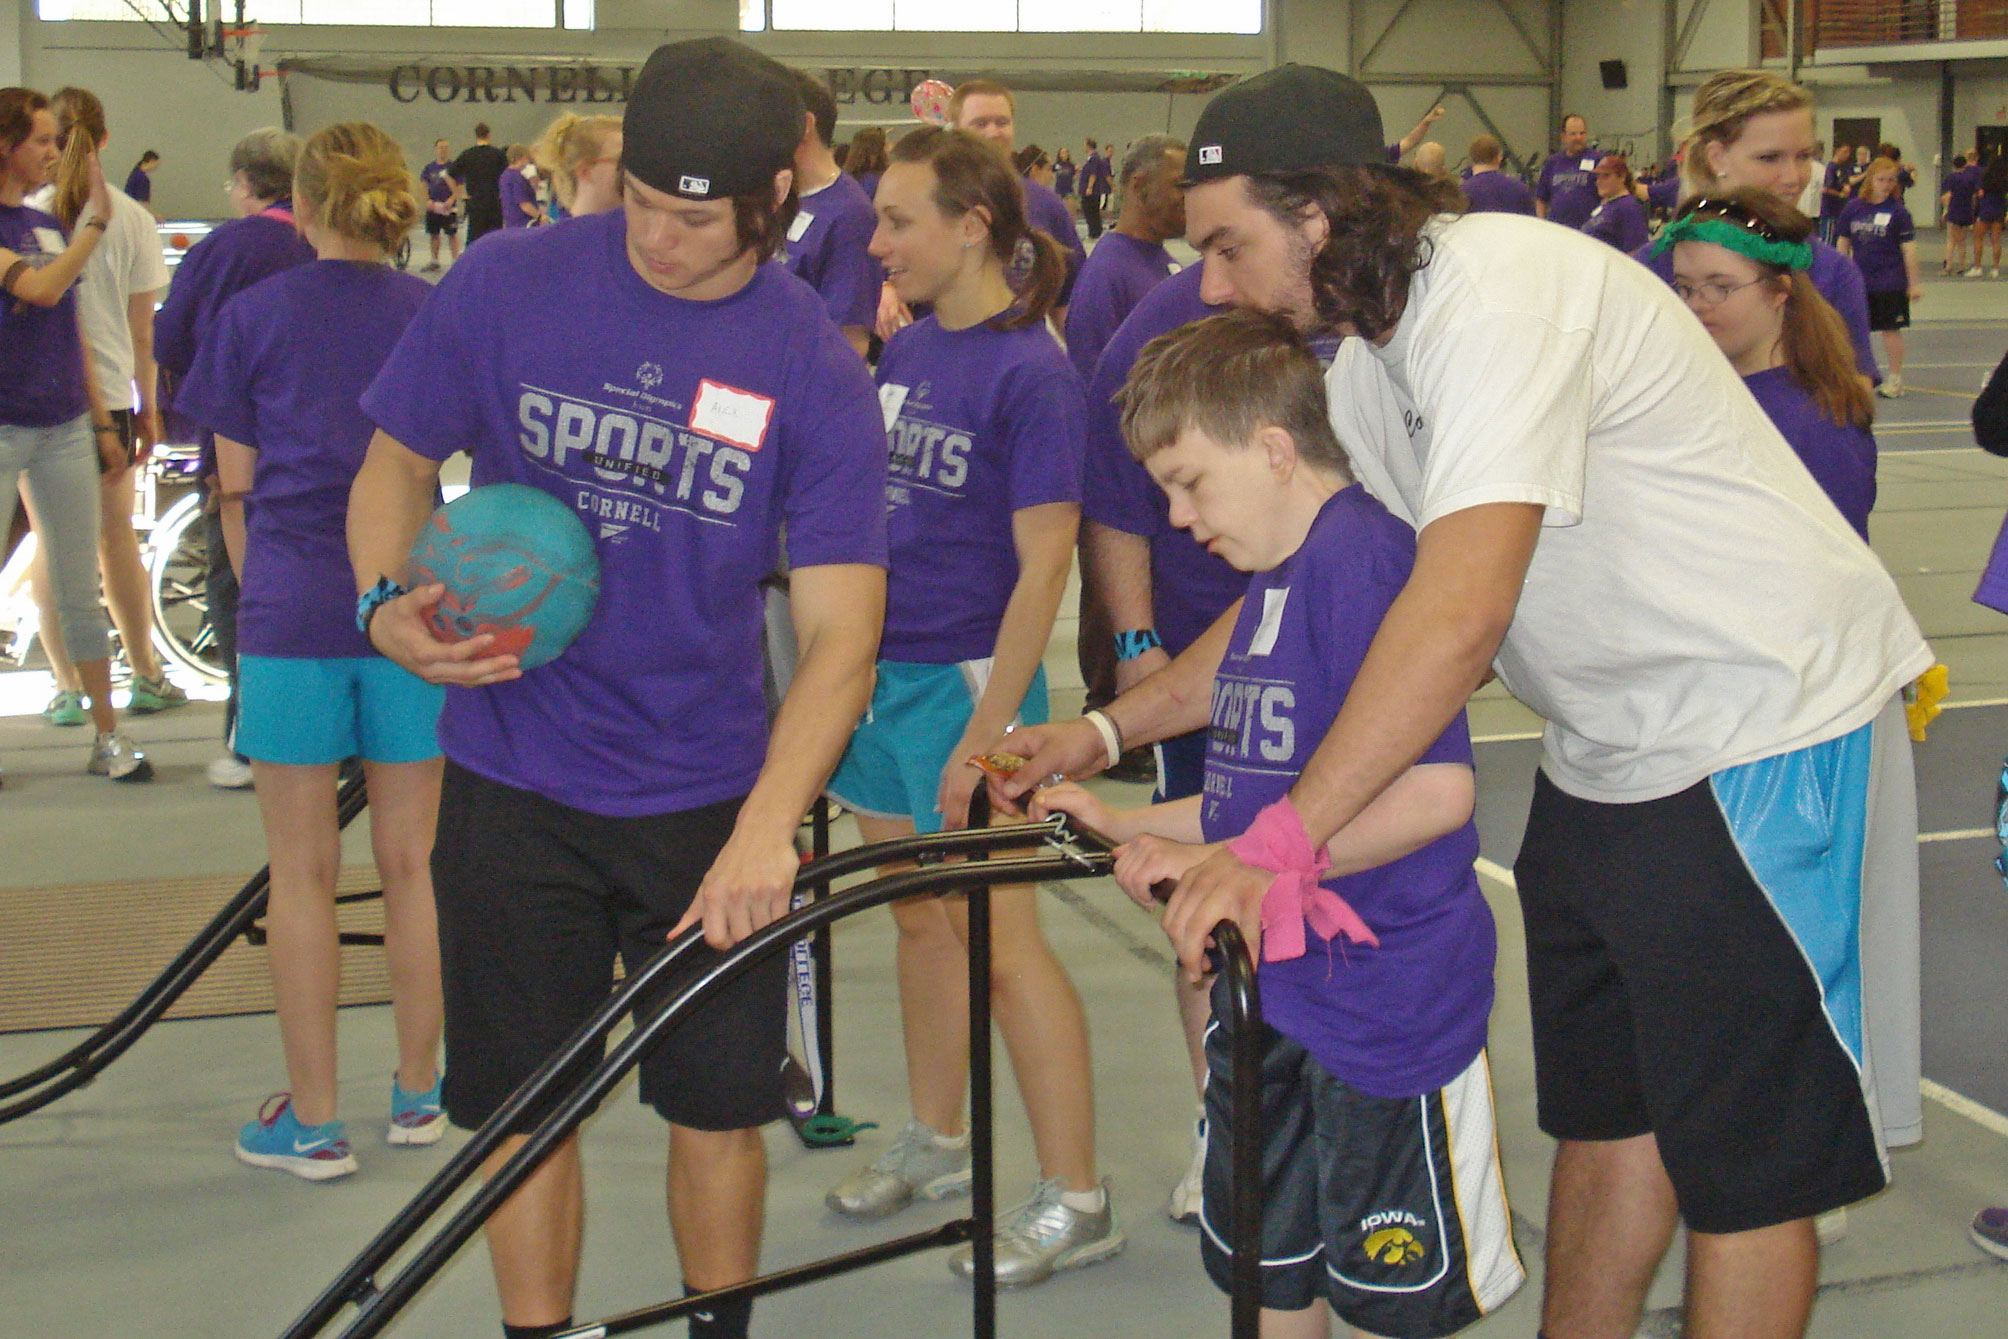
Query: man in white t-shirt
[115, 301]
[1607, 520]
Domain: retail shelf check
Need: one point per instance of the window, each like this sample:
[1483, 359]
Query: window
[343, 13]
[1028, 16]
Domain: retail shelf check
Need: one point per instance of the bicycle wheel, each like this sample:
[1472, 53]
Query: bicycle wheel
[179, 565]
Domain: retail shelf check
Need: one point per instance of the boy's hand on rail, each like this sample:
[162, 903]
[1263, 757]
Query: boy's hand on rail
[1148, 867]
[1217, 888]
[1090, 811]
[746, 888]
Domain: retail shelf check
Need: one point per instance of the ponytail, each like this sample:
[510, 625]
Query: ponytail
[353, 178]
[1821, 357]
[970, 174]
[80, 124]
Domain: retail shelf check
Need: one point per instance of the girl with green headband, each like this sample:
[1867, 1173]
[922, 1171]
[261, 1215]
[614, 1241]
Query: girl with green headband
[1741, 265]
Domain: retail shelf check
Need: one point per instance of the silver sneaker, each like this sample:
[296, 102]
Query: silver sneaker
[915, 1165]
[117, 757]
[1186, 1195]
[1043, 1236]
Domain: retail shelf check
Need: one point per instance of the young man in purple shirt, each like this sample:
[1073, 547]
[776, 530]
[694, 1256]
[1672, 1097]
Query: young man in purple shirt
[1566, 191]
[1377, 977]
[989, 110]
[1130, 258]
[1489, 190]
[1097, 181]
[828, 241]
[442, 218]
[688, 400]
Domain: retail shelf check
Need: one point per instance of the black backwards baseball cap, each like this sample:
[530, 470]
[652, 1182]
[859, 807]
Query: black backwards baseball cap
[1284, 120]
[710, 118]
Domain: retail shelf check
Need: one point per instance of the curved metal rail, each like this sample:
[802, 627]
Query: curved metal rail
[1066, 857]
[82, 1063]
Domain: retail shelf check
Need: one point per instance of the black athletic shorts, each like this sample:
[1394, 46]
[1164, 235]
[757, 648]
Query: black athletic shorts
[1889, 311]
[1673, 994]
[535, 899]
[1391, 1209]
[441, 225]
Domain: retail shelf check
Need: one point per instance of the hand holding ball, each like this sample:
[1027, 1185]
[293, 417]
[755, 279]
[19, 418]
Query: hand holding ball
[517, 564]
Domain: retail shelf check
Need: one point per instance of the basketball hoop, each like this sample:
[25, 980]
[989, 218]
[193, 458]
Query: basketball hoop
[244, 44]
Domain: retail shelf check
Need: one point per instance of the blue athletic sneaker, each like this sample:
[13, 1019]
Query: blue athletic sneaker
[277, 1139]
[416, 1118]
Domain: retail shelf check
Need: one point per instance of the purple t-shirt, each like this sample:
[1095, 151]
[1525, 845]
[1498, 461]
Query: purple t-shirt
[1048, 213]
[1961, 186]
[283, 372]
[1840, 456]
[1567, 184]
[139, 185]
[1877, 234]
[216, 269]
[1619, 221]
[980, 423]
[1408, 1016]
[1993, 588]
[1190, 588]
[1664, 193]
[684, 434]
[1496, 192]
[827, 250]
[516, 192]
[438, 179]
[1839, 282]
[1097, 174]
[1117, 275]
[40, 348]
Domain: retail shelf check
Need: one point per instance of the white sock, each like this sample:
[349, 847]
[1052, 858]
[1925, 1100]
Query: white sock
[950, 1141]
[1085, 1201]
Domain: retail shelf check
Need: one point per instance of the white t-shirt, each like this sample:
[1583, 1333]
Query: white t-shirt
[1695, 601]
[128, 261]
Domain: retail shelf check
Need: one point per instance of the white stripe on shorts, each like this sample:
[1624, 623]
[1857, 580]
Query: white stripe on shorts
[1478, 1183]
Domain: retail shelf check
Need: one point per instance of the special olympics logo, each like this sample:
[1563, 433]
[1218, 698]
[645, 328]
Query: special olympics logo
[649, 375]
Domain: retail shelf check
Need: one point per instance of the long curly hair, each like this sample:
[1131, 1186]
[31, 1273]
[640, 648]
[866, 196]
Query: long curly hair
[1360, 276]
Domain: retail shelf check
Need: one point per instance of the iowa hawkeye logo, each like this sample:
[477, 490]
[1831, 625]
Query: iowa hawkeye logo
[1390, 1242]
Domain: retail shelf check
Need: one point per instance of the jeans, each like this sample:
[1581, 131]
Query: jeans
[61, 463]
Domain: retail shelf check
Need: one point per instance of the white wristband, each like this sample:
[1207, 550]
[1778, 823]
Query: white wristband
[1110, 739]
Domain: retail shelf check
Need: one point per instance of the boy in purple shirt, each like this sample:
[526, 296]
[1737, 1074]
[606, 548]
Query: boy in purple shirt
[1097, 180]
[441, 196]
[688, 400]
[1130, 259]
[1489, 190]
[829, 241]
[1385, 1198]
[1566, 192]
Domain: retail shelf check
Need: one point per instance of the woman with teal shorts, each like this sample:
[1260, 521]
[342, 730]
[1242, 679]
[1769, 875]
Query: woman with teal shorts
[279, 385]
[986, 422]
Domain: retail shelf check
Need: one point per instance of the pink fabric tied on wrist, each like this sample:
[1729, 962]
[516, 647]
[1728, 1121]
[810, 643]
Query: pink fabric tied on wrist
[1276, 842]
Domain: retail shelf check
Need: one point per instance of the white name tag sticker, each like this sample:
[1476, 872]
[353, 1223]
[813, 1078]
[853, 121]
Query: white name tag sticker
[731, 415]
[1272, 622]
[1589, 165]
[800, 227]
[891, 399]
[1882, 220]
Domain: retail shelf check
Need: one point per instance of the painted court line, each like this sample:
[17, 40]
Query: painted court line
[1986, 1117]
[1955, 835]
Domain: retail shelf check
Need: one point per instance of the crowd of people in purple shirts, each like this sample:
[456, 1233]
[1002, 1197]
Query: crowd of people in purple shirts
[903, 357]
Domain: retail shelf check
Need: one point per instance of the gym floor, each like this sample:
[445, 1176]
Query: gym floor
[127, 1214]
